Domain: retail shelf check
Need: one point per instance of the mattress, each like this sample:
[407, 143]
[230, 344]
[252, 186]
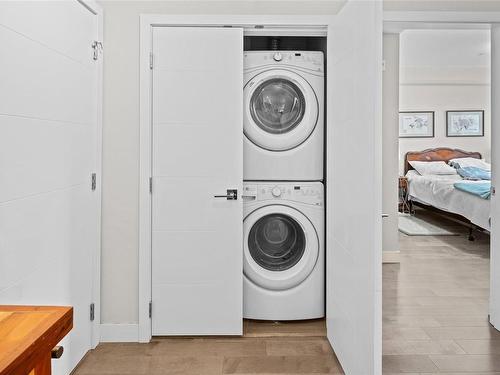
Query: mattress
[438, 191]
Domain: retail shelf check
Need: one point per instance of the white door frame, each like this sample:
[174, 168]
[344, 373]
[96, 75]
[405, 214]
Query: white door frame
[299, 25]
[399, 21]
[97, 10]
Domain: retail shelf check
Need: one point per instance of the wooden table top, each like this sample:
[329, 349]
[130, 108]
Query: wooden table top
[28, 331]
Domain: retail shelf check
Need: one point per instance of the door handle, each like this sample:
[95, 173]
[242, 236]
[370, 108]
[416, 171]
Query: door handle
[384, 216]
[231, 195]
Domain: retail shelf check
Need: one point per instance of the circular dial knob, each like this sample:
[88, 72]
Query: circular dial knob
[276, 191]
[277, 56]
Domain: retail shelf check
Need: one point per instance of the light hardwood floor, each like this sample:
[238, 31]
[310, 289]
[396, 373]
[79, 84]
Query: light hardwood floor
[266, 348]
[435, 320]
[436, 306]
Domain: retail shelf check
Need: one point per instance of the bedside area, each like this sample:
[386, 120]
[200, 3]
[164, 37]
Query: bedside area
[404, 202]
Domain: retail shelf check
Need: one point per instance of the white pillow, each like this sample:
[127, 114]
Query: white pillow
[432, 168]
[471, 162]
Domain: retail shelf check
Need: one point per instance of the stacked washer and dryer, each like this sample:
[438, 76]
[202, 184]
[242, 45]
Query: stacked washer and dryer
[284, 254]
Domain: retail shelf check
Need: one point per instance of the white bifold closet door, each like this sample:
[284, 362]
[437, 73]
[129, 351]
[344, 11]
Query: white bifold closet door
[354, 239]
[197, 155]
[49, 137]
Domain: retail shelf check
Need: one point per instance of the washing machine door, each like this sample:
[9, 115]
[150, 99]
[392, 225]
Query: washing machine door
[281, 110]
[281, 247]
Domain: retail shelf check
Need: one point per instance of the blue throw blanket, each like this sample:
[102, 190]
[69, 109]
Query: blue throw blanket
[481, 189]
[474, 173]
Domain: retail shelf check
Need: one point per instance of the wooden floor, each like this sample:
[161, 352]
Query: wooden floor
[436, 307]
[435, 321]
[266, 348]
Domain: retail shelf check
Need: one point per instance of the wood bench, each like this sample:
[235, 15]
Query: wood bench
[29, 335]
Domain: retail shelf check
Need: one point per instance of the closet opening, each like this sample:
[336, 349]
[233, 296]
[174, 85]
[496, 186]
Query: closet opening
[190, 269]
[278, 175]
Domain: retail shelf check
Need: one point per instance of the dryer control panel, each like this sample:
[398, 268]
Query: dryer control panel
[307, 193]
[310, 60]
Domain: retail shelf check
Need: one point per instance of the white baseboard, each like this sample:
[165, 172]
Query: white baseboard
[390, 256]
[119, 332]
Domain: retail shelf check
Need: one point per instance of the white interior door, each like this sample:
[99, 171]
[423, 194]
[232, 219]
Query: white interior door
[495, 169]
[48, 151]
[354, 254]
[197, 154]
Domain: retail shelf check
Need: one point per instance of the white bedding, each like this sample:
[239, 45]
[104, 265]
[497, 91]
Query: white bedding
[438, 191]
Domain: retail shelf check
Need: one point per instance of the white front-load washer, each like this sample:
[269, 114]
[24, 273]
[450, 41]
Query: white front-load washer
[283, 115]
[284, 257]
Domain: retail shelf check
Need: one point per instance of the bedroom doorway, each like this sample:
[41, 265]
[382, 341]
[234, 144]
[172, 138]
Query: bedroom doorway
[436, 292]
[444, 118]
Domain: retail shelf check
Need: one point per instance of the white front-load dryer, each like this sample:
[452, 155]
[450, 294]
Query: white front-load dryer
[284, 257]
[283, 119]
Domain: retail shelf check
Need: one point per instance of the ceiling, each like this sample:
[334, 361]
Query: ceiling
[440, 48]
[282, 7]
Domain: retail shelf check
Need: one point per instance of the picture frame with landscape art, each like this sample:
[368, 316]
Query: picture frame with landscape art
[465, 123]
[416, 124]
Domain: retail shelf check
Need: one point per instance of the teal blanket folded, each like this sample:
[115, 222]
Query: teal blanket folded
[474, 173]
[481, 189]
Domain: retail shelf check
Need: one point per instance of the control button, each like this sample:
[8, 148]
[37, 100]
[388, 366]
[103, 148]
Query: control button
[277, 56]
[276, 192]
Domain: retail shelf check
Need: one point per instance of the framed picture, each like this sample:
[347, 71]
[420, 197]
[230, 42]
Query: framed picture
[416, 124]
[464, 123]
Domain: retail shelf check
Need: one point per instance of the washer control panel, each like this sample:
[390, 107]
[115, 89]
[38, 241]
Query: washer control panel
[308, 193]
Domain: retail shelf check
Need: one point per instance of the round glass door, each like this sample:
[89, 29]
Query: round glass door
[281, 247]
[281, 110]
[277, 106]
[276, 242]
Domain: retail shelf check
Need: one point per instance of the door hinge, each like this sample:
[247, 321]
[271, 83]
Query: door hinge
[97, 47]
[94, 181]
[150, 60]
[151, 185]
[150, 309]
[92, 312]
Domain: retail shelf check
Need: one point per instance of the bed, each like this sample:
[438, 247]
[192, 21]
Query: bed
[439, 193]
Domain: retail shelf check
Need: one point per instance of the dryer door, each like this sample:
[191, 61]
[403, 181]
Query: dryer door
[281, 247]
[281, 110]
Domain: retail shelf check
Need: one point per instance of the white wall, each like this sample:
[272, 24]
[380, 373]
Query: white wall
[440, 90]
[390, 123]
[119, 296]
[442, 70]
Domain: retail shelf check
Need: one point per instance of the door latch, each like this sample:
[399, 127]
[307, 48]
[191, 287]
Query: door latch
[232, 195]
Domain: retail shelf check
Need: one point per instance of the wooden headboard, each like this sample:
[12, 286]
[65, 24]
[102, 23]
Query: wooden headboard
[437, 154]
